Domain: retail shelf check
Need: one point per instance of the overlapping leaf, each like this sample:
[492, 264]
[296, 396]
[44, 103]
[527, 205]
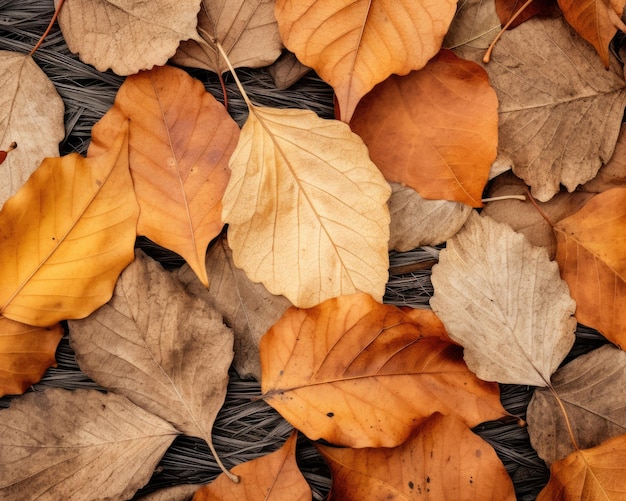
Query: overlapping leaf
[612, 174]
[507, 8]
[475, 24]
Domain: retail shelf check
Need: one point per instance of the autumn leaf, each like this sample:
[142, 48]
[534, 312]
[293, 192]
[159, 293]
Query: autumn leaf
[101, 31]
[181, 138]
[26, 352]
[475, 24]
[435, 130]
[181, 492]
[590, 253]
[507, 8]
[503, 300]
[31, 115]
[274, 476]
[306, 208]
[443, 459]
[353, 45]
[90, 444]
[613, 173]
[287, 70]
[359, 373]
[67, 234]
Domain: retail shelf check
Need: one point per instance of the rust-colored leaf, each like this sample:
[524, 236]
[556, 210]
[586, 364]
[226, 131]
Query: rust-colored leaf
[543, 8]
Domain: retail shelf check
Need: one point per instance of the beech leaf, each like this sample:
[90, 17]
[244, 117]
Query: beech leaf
[83, 442]
[306, 208]
[359, 373]
[67, 234]
[504, 301]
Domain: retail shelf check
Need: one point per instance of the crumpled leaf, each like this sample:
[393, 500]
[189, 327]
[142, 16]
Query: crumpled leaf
[247, 30]
[274, 476]
[475, 24]
[362, 374]
[306, 208]
[26, 352]
[353, 45]
[83, 442]
[443, 152]
[181, 138]
[127, 37]
[507, 8]
[31, 115]
[560, 110]
[504, 301]
[443, 459]
[67, 234]
[612, 174]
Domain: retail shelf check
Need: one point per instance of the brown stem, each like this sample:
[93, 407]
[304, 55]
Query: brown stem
[487, 56]
[54, 18]
[223, 84]
[539, 210]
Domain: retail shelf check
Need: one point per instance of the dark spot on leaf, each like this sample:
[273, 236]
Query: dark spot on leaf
[330, 414]
[411, 485]
[428, 480]
[478, 453]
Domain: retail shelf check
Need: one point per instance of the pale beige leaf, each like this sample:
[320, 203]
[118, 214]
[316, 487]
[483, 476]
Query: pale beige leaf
[182, 492]
[83, 442]
[306, 208]
[127, 36]
[504, 301]
[613, 174]
[475, 24]
[31, 115]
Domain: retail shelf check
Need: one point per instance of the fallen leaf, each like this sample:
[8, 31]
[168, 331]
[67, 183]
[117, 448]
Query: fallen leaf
[353, 45]
[507, 8]
[31, 115]
[246, 29]
[127, 37]
[560, 111]
[67, 234]
[359, 373]
[503, 300]
[83, 442]
[274, 476]
[182, 492]
[613, 174]
[26, 352]
[593, 474]
[590, 253]
[306, 208]
[443, 459]
[475, 24]
[287, 70]
[416, 222]
[443, 152]
[181, 138]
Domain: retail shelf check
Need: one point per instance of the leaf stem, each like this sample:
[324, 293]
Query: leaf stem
[230, 475]
[45, 34]
[487, 56]
[232, 70]
[504, 197]
[541, 212]
[567, 422]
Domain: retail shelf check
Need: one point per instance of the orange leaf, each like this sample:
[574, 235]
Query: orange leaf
[181, 139]
[442, 460]
[26, 352]
[590, 253]
[355, 44]
[441, 151]
[275, 476]
[359, 373]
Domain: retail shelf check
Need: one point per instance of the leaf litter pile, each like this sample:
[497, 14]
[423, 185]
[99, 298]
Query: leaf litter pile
[307, 250]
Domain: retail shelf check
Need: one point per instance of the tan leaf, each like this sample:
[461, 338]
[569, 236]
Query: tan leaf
[83, 442]
[181, 138]
[182, 492]
[306, 208]
[31, 115]
[247, 30]
[475, 24]
[287, 70]
[353, 45]
[127, 37]
[613, 174]
[504, 301]
[67, 234]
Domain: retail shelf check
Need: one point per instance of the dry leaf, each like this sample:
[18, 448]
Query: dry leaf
[306, 208]
[443, 152]
[31, 115]
[560, 110]
[247, 30]
[127, 37]
[83, 442]
[182, 492]
[275, 476]
[26, 352]
[353, 45]
[287, 70]
[67, 234]
[503, 300]
[442, 460]
[507, 8]
[475, 24]
[359, 373]
[590, 253]
[613, 174]
[181, 138]
[416, 221]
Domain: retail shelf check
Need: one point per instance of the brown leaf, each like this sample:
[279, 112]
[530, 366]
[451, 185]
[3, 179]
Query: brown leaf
[443, 459]
[353, 45]
[287, 70]
[26, 352]
[443, 152]
[543, 8]
[355, 372]
[83, 442]
[181, 138]
[67, 234]
[475, 24]
[613, 174]
[182, 492]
